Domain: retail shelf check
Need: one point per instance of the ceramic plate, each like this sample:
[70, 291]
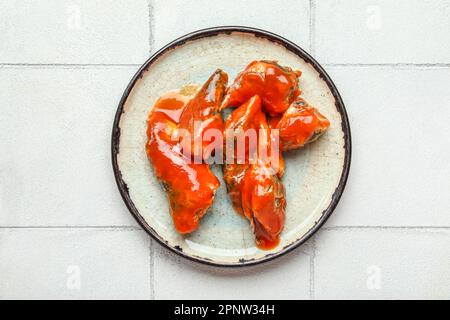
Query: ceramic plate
[315, 175]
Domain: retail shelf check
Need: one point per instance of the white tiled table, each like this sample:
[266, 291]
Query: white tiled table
[64, 231]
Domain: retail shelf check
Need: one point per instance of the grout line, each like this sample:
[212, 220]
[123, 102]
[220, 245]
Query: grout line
[312, 26]
[151, 43]
[323, 228]
[311, 269]
[112, 65]
[73, 227]
[70, 64]
[64, 66]
[152, 270]
[387, 227]
[391, 65]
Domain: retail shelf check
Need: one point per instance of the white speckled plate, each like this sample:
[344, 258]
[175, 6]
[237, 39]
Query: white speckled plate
[315, 175]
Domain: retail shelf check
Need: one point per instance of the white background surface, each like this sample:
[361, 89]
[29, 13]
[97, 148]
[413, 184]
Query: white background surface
[64, 231]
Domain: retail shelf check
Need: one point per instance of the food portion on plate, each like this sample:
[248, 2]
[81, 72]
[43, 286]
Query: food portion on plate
[190, 185]
[201, 114]
[185, 133]
[277, 86]
[253, 181]
[300, 124]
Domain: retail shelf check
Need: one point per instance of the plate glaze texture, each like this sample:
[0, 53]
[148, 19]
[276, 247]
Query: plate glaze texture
[315, 175]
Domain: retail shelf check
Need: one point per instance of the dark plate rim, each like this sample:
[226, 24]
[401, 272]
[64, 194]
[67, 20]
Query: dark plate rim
[209, 32]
